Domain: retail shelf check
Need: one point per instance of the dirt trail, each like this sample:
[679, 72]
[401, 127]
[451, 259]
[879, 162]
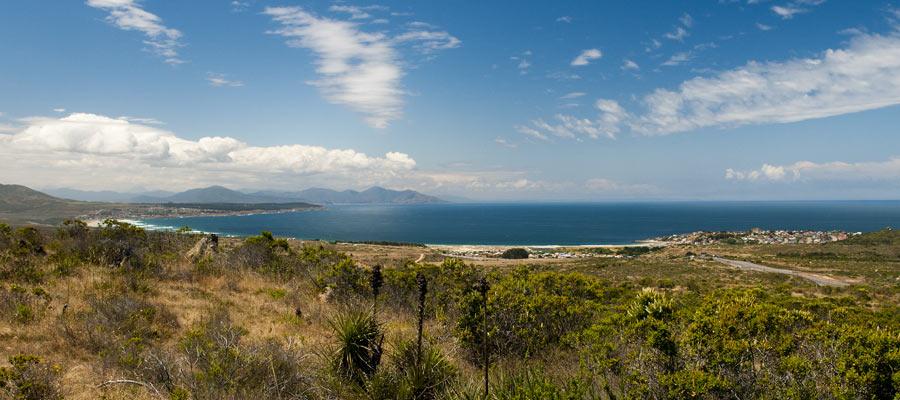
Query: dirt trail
[821, 280]
[421, 258]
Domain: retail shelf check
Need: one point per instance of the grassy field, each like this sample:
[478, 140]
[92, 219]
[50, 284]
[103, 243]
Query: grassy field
[121, 313]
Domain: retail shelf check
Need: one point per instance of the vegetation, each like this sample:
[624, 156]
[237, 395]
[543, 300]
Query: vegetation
[118, 312]
[515, 253]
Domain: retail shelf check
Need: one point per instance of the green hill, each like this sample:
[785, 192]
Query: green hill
[887, 236]
[20, 204]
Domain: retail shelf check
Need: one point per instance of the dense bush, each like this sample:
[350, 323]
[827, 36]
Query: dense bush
[29, 378]
[213, 362]
[739, 343]
[118, 327]
[515, 253]
[22, 305]
[529, 312]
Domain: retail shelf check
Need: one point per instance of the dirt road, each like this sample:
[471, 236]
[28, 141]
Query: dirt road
[821, 280]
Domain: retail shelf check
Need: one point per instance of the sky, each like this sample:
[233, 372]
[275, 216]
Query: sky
[500, 100]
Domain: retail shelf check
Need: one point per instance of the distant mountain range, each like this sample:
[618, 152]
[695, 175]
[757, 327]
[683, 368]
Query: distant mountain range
[219, 194]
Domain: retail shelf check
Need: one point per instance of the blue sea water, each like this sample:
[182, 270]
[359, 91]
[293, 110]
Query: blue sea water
[547, 224]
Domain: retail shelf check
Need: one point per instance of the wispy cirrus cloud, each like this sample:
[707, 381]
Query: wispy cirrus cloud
[681, 31]
[790, 9]
[359, 69]
[128, 15]
[607, 124]
[865, 75]
[222, 80]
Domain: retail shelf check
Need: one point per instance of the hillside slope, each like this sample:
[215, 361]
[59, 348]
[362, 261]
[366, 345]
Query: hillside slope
[20, 204]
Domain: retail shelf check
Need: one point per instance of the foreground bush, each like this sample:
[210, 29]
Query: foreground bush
[218, 364]
[118, 328]
[29, 378]
[413, 376]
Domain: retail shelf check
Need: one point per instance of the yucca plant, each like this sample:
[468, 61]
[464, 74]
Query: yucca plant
[359, 345]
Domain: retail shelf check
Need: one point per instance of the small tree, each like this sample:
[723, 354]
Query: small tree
[375, 282]
[422, 283]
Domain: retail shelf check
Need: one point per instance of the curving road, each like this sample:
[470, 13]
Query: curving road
[820, 280]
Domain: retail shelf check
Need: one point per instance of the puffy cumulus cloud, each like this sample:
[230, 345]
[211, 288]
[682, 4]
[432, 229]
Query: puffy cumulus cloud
[116, 149]
[586, 56]
[630, 65]
[607, 124]
[863, 76]
[128, 15]
[358, 69]
[831, 171]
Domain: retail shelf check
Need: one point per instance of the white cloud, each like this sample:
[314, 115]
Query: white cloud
[222, 80]
[358, 69]
[59, 110]
[607, 124]
[523, 62]
[81, 148]
[630, 65]
[586, 57]
[128, 15]
[354, 11]
[763, 27]
[678, 34]
[678, 59]
[787, 12]
[430, 41]
[831, 171]
[863, 76]
[565, 18]
[686, 20]
[239, 6]
[572, 95]
[505, 143]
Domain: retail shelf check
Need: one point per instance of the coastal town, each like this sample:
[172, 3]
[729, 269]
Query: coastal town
[755, 236]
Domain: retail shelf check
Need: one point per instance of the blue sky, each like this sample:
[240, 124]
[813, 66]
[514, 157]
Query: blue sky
[787, 99]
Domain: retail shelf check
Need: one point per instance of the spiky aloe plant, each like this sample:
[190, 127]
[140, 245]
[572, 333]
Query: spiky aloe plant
[359, 345]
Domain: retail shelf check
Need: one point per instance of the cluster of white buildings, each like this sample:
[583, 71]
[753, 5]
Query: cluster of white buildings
[758, 236]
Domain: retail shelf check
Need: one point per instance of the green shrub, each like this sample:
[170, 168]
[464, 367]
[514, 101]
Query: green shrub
[346, 281]
[118, 327]
[28, 378]
[21, 305]
[869, 363]
[359, 346]
[515, 253]
[423, 377]
[218, 364]
[530, 312]
[532, 383]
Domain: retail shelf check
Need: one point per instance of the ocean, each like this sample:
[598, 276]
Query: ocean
[547, 224]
